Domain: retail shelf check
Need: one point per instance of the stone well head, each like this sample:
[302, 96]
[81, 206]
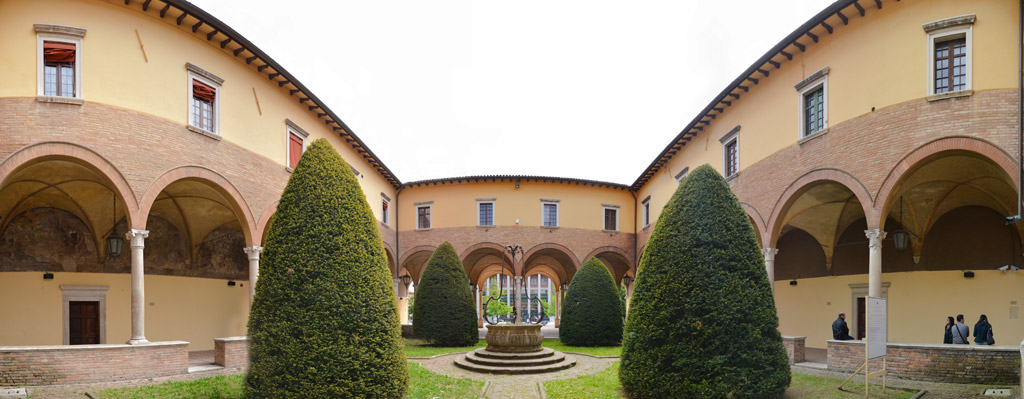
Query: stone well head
[516, 338]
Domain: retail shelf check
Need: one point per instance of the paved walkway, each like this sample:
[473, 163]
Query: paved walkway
[515, 386]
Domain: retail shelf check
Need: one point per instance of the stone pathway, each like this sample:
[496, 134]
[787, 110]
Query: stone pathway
[515, 386]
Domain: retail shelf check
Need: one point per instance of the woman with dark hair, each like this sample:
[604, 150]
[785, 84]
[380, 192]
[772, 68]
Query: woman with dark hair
[983, 332]
[948, 337]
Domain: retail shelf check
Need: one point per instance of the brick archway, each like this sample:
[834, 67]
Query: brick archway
[933, 148]
[264, 223]
[797, 187]
[558, 249]
[421, 252]
[46, 151]
[215, 180]
[759, 224]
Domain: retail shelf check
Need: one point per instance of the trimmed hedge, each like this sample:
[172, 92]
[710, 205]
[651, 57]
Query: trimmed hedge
[702, 321]
[445, 311]
[324, 322]
[591, 314]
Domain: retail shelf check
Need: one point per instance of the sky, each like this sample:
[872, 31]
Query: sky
[587, 89]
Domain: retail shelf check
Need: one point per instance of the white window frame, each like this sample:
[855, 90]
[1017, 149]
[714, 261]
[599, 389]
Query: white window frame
[198, 74]
[558, 213]
[386, 213]
[963, 29]
[61, 34]
[290, 129]
[682, 175]
[645, 211]
[605, 208]
[430, 218]
[733, 135]
[494, 211]
[817, 80]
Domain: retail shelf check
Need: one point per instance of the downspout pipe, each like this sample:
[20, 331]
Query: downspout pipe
[1020, 103]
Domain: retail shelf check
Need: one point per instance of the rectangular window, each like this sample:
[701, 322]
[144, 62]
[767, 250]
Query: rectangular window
[682, 175]
[486, 213]
[385, 201]
[646, 211]
[550, 215]
[203, 99]
[951, 65]
[296, 145]
[423, 217]
[732, 157]
[611, 219]
[814, 111]
[58, 69]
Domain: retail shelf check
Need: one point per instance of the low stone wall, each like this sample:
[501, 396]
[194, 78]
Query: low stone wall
[962, 364]
[75, 364]
[795, 349]
[231, 352]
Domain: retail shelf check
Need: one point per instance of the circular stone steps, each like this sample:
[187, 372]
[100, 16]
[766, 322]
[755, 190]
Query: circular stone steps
[543, 361]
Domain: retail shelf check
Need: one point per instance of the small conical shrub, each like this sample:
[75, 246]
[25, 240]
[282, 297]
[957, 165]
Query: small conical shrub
[702, 321]
[324, 322]
[591, 314]
[445, 311]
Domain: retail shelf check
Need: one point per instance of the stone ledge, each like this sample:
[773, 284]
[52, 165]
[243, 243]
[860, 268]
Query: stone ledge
[231, 339]
[60, 100]
[952, 94]
[812, 136]
[948, 22]
[204, 132]
[955, 347]
[87, 347]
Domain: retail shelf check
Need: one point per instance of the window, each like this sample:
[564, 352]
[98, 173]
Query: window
[385, 201]
[645, 211]
[60, 59]
[611, 218]
[813, 102]
[682, 175]
[731, 152]
[549, 213]
[204, 102]
[949, 56]
[296, 143]
[423, 217]
[486, 213]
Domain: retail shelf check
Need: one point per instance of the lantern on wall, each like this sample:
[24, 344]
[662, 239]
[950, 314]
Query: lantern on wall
[406, 279]
[626, 280]
[900, 237]
[114, 241]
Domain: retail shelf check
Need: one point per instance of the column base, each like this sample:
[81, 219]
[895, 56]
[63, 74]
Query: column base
[137, 341]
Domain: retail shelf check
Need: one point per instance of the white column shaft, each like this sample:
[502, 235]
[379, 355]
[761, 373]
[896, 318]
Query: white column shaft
[875, 237]
[769, 264]
[137, 240]
[254, 268]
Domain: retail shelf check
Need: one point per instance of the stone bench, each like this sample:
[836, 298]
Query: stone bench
[962, 364]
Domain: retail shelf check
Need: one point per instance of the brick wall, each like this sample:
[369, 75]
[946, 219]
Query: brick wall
[962, 364]
[795, 349]
[52, 365]
[231, 352]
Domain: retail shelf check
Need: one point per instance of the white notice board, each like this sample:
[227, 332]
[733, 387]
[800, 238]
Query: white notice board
[877, 339]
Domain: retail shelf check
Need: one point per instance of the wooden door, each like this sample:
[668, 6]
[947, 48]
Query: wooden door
[861, 318]
[84, 323]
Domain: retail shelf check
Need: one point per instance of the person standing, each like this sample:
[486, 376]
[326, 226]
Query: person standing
[983, 332]
[947, 338]
[840, 331]
[960, 331]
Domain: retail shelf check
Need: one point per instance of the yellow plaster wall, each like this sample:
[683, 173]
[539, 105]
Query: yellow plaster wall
[918, 305]
[455, 205]
[114, 72]
[190, 309]
[876, 61]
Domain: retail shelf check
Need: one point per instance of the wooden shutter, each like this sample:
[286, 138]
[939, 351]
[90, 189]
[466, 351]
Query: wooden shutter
[294, 150]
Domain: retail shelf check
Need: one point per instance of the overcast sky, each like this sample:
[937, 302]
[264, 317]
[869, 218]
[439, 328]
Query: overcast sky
[581, 88]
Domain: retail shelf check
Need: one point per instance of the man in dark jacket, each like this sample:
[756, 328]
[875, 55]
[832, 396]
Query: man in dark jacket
[840, 331]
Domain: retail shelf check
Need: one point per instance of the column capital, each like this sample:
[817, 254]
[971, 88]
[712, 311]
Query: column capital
[769, 253]
[875, 237]
[253, 252]
[136, 237]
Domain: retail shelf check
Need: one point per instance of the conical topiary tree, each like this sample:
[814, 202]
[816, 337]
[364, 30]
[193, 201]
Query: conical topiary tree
[702, 320]
[591, 314]
[324, 322]
[445, 313]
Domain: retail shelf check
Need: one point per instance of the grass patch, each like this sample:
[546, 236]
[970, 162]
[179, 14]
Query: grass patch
[419, 348]
[593, 350]
[605, 385]
[423, 384]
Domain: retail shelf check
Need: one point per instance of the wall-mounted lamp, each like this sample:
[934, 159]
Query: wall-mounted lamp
[1009, 268]
[792, 282]
[968, 274]
[47, 276]
[231, 283]
[406, 279]
[517, 183]
[626, 280]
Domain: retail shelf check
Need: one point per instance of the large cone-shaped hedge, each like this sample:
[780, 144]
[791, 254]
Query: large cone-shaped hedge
[702, 321]
[324, 322]
[445, 312]
[592, 313]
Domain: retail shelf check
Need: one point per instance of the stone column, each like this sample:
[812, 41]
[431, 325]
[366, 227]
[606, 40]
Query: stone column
[769, 264]
[479, 311]
[137, 238]
[875, 237]
[517, 293]
[254, 268]
[402, 297]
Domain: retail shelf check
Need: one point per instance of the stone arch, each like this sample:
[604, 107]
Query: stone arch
[559, 253]
[757, 220]
[263, 225]
[413, 260]
[390, 254]
[214, 180]
[482, 256]
[615, 259]
[807, 181]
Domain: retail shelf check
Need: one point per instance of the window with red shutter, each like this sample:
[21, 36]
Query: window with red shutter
[58, 69]
[295, 144]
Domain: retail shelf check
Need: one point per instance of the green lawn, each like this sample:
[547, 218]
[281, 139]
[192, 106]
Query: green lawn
[418, 348]
[605, 385]
[423, 384]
